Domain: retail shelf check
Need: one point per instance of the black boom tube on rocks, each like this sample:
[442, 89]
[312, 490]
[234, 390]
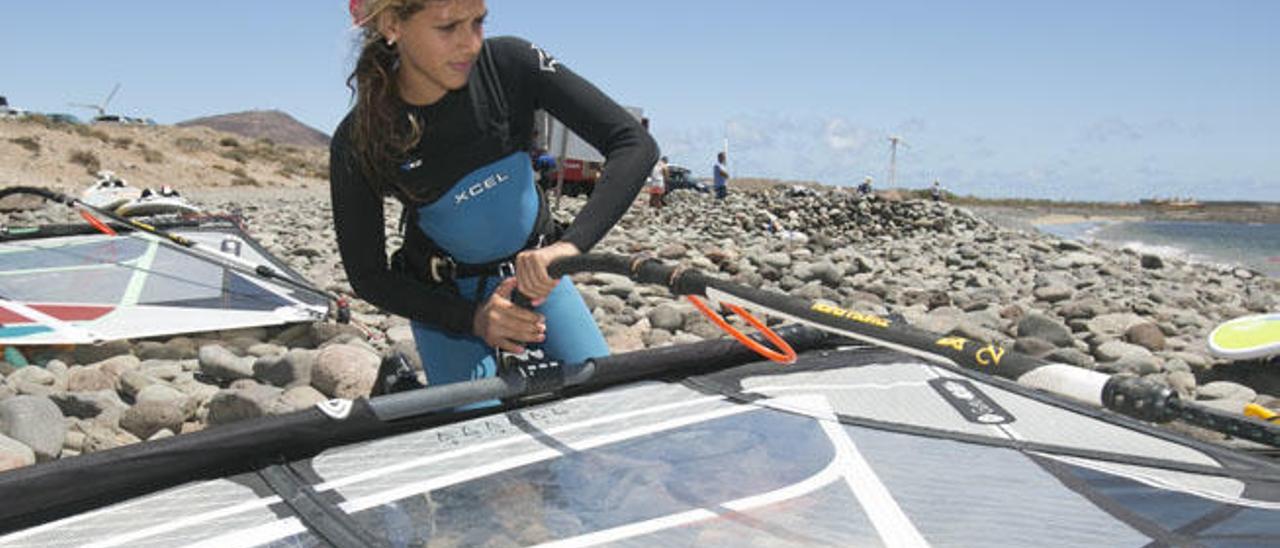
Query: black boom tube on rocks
[1135, 397]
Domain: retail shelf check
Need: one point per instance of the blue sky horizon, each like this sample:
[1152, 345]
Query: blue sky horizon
[1086, 100]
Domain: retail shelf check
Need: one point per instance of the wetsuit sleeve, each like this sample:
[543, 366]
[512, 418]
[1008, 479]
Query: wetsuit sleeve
[629, 150]
[359, 221]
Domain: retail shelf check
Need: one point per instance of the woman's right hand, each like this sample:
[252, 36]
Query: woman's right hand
[506, 326]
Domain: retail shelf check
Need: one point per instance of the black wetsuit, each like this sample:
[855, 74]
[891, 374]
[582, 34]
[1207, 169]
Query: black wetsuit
[485, 126]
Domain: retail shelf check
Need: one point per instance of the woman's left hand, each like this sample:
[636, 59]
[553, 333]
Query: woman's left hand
[531, 270]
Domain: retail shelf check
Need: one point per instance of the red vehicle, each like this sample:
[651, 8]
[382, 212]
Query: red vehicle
[577, 164]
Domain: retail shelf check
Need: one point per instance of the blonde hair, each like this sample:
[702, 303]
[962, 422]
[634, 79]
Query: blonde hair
[380, 139]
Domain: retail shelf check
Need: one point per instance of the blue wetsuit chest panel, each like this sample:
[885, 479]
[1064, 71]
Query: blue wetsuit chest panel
[489, 214]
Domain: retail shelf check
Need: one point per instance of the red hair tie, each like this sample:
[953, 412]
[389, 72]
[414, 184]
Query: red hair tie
[354, 7]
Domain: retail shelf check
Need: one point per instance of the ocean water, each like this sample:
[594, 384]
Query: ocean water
[1252, 245]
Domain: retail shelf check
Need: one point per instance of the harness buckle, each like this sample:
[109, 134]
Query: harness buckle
[506, 269]
[441, 269]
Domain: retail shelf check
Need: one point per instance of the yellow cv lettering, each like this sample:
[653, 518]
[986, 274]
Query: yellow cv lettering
[954, 343]
[989, 355]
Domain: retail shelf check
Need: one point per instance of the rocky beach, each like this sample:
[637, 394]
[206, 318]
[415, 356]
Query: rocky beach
[943, 268]
[983, 273]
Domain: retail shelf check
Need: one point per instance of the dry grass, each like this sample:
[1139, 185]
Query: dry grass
[190, 145]
[31, 144]
[87, 159]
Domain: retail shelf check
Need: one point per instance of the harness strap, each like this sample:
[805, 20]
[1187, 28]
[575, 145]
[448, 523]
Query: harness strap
[441, 267]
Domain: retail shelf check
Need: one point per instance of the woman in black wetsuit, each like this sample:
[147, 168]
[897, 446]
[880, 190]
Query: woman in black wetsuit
[443, 122]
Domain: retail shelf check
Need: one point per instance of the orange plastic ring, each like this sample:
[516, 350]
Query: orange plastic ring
[784, 355]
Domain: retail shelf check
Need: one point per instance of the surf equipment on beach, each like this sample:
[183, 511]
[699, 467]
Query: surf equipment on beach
[849, 445]
[1247, 338]
[165, 201]
[69, 285]
[109, 192]
[90, 288]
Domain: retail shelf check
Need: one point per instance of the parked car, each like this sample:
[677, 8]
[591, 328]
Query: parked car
[9, 112]
[679, 177]
[63, 118]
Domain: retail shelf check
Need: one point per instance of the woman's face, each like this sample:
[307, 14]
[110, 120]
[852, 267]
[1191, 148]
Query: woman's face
[438, 45]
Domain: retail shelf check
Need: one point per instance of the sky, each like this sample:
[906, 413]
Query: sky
[1076, 100]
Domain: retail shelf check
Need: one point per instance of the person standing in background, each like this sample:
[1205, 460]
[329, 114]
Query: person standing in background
[721, 176]
[657, 183]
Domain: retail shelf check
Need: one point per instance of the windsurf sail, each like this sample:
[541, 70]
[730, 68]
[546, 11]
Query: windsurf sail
[58, 286]
[849, 445]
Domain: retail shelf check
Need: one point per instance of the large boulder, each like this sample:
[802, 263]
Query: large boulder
[287, 370]
[94, 353]
[218, 362]
[166, 394]
[36, 422]
[1115, 350]
[235, 405]
[87, 405]
[147, 418]
[85, 379]
[1113, 326]
[345, 371]
[1040, 326]
[14, 454]
[666, 316]
[117, 366]
[296, 399]
[1147, 335]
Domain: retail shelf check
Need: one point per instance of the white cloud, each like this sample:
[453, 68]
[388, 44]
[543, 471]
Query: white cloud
[842, 136]
[1111, 129]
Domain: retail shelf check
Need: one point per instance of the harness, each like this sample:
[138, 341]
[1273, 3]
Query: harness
[427, 262]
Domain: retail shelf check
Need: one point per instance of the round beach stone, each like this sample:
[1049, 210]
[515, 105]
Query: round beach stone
[1226, 390]
[118, 365]
[87, 405]
[153, 350]
[295, 399]
[286, 370]
[344, 371]
[36, 422]
[229, 406]
[1114, 350]
[1071, 356]
[1043, 327]
[667, 316]
[1033, 346]
[94, 353]
[146, 418]
[218, 362]
[167, 394]
[83, 379]
[14, 454]
[1147, 335]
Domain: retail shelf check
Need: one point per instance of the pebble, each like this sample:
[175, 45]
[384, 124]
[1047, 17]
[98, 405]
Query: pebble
[220, 363]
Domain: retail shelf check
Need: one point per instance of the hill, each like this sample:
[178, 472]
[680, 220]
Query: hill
[273, 125]
[41, 152]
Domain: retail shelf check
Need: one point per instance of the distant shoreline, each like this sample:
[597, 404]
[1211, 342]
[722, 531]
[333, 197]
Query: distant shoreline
[1048, 212]
[1037, 215]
